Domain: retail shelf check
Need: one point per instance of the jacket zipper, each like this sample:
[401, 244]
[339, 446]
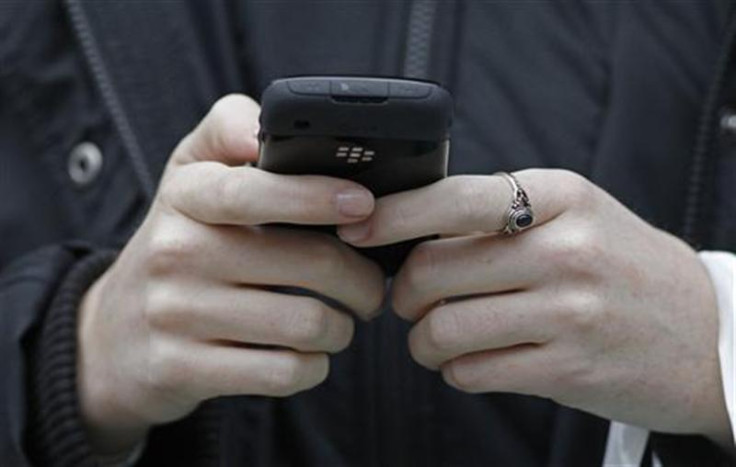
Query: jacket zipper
[695, 227]
[110, 97]
[394, 417]
[419, 38]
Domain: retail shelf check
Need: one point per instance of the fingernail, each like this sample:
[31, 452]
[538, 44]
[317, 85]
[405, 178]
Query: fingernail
[354, 232]
[354, 203]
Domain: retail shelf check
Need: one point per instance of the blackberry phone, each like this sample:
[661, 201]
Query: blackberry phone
[386, 134]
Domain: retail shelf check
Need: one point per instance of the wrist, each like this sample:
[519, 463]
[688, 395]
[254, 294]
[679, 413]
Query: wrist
[721, 267]
[113, 429]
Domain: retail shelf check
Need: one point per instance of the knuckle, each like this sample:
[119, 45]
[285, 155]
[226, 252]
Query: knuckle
[460, 376]
[576, 189]
[233, 195]
[223, 104]
[170, 191]
[572, 379]
[310, 324]
[180, 186]
[576, 252]
[443, 329]
[161, 308]
[167, 369]
[346, 335]
[168, 252]
[225, 113]
[418, 350]
[583, 311]
[286, 377]
[223, 109]
[423, 262]
[374, 292]
[183, 147]
[417, 271]
[327, 259]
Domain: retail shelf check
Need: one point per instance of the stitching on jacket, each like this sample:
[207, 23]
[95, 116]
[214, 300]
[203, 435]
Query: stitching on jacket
[419, 40]
[110, 97]
[693, 230]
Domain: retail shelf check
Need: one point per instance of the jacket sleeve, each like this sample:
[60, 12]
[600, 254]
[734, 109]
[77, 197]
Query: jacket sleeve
[688, 451]
[39, 293]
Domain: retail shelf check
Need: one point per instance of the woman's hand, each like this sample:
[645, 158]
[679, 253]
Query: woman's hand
[591, 307]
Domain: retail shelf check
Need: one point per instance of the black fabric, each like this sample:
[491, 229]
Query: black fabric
[648, 457]
[613, 90]
[27, 288]
[56, 433]
[685, 451]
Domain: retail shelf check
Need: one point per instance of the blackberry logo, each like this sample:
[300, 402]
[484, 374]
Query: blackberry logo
[355, 154]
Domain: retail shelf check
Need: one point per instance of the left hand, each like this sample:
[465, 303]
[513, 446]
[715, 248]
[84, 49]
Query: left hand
[591, 307]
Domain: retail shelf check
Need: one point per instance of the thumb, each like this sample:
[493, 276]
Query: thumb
[228, 134]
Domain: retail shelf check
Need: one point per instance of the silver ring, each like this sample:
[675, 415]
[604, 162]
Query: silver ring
[519, 215]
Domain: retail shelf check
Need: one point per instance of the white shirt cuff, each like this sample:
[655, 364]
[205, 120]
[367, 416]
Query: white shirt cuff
[127, 459]
[722, 269]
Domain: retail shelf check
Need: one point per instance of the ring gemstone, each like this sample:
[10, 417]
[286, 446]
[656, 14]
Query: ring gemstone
[524, 220]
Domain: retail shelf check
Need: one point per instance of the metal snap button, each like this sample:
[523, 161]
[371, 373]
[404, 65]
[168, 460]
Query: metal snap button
[85, 163]
[728, 122]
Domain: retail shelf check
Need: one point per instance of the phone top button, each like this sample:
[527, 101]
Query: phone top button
[359, 88]
[312, 87]
[410, 90]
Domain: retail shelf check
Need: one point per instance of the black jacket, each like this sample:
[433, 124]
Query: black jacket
[630, 94]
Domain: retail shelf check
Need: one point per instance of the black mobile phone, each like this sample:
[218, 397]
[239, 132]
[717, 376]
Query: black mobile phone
[387, 134]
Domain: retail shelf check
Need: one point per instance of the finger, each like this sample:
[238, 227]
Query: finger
[478, 324]
[213, 193]
[217, 370]
[267, 256]
[228, 134]
[471, 265]
[253, 316]
[464, 204]
[526, 369]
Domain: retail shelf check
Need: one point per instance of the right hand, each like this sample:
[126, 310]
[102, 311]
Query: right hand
[186, 314]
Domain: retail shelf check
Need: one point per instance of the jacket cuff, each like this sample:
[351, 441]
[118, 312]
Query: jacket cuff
[56, 433]
[689, 451]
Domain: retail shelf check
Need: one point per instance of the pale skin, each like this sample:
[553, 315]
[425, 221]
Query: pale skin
[591, 307]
